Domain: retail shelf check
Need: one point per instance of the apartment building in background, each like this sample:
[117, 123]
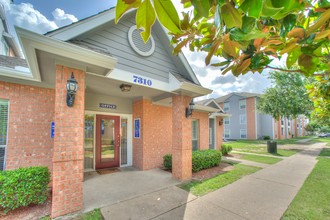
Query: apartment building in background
[247, 123]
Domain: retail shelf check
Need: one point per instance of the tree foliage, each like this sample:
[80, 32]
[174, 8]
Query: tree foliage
[319, 92]
[245, 34]
[288, 97]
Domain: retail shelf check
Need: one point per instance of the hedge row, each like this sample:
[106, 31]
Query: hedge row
[23, 187]
[225, 149]
[201, 159]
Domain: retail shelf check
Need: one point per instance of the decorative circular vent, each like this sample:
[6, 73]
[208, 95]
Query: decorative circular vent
[137, 43]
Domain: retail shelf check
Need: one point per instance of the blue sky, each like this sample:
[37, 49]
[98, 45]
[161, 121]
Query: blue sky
[42, 16]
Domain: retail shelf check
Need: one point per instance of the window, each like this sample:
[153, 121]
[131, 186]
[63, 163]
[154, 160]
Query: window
[282, 121]
[3, 131]
[243, 133]
[242, 104]
[227, 133]
[289, 122]
[242, 119]
[226, 107]
[227, 121]
[282, 130]
[195, 134]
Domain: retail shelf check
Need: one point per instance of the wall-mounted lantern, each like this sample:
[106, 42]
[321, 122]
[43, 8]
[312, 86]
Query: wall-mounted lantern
[71, 87]
[190, 109]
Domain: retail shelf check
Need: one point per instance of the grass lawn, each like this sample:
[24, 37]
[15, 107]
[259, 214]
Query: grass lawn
[260, 159]
[312, 201]
[326, 140]
[258, 147]
[92, 215]
[209, 185]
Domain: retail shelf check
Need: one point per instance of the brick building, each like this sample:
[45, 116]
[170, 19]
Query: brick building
[246, 122]
[130, 106]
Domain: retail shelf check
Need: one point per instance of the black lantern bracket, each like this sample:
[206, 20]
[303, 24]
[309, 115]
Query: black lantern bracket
[190, 108]
[71, 87]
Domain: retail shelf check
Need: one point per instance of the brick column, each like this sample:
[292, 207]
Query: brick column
[181, 139]
[68, 165]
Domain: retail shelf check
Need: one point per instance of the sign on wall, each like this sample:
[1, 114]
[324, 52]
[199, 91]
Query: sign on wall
[110, 106]
[52, 129]
[137, 128]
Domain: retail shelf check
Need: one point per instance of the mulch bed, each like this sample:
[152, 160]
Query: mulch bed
[210, 172]
[31, 212]
[213, 171]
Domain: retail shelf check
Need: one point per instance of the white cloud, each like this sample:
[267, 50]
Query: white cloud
[61, 18]
[26, 16]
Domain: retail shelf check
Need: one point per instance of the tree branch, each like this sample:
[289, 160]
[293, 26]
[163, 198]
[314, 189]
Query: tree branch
[284, 70]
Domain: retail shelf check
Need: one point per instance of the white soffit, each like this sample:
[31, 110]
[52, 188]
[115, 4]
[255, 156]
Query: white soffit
[31, 42]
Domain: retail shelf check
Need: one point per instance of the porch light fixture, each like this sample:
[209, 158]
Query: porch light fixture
[190, 109]
[71, 87]
[125, 87]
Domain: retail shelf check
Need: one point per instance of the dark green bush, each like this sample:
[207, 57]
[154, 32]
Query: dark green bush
[23, 187]
[201, 159]
[168, 161]
[266, 137]
[225, 149]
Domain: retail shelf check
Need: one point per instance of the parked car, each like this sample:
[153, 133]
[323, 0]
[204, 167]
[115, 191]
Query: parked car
[324, 135]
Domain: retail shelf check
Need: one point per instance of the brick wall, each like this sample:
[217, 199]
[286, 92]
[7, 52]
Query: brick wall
[203, 119]
[31, 111]
[251, 118]
[68, 163]
[156, 134]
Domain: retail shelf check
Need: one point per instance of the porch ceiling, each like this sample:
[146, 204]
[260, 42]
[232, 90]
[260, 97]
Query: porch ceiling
[106, 86]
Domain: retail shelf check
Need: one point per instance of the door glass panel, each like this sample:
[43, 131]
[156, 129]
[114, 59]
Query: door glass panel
[89, 142]
[123, 141]
[107, 140]
[195, 136]
[211, 133]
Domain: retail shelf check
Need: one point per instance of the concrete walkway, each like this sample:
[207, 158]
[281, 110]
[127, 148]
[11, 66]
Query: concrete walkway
[246, 162]
[265, 194]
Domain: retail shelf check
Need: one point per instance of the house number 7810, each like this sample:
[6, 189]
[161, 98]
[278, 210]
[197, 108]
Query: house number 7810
[142, 81]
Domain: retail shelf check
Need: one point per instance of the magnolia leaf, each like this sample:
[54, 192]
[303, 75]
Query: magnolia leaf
[123, 6]
[252, 8]
[231, 16]
[292, 57]
[220, 64]
[227, 70]
[212, 51]
[268, 10]
[270, 42]
[237, 35]
[243, 66]
[248, 24]
[145, 18]
[297, 32]
[288, 7]
[291, 45]
[167, 15]
[230, 46]
[322, 34]
[308, 63]
[324, 18]
[201, 7]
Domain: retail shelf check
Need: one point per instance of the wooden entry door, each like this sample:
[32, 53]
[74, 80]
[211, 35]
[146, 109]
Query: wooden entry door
[107, 141]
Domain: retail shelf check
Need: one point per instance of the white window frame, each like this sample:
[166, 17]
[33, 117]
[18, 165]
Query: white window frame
[225, 132]
[240, 119]
[226, 106]
[197, 133]
[242, 104]
[240, 133]
[5, 145]
[224, 121]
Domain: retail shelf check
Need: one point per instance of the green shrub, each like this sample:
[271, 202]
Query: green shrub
[266, 137]
[23, 187]
[204, 159]
[168, 161]
[225, 149]
[201, 159]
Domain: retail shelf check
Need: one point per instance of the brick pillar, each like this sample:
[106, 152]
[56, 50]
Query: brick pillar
[181, 139]
[68, 155]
